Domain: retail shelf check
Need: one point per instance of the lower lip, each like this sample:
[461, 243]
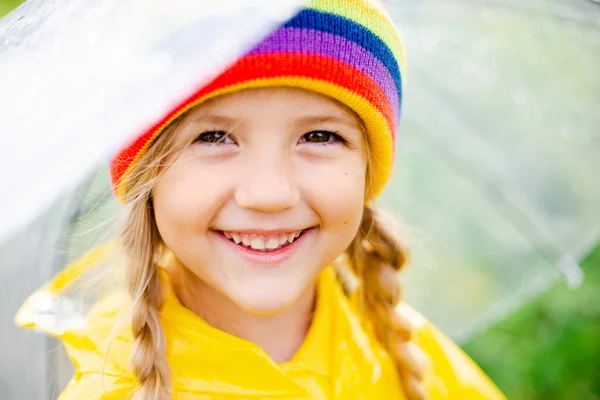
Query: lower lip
[268, 257]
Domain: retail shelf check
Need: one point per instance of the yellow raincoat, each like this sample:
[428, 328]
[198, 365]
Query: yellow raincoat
[338, 359]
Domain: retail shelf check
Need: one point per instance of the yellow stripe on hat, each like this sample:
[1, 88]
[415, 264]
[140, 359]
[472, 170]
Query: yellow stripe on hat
[369, 15]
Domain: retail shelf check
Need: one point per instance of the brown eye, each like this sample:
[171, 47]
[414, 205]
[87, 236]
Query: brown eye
[321, 137]
[214, 137]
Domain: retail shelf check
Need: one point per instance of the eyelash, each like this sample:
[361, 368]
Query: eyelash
[335, 138]
[217, 142]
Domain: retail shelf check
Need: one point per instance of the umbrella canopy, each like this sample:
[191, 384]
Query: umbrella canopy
[79, 77]
[498, 151]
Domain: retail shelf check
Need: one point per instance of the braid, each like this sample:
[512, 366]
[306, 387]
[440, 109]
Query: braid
[376, 256]
[142, 243]
[140, 239]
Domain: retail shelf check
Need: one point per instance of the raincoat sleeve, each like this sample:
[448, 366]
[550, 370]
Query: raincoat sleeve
[452, 373]
[100, 358]
[95, 386]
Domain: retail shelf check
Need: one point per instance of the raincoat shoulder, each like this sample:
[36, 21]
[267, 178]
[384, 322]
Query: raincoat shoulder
[100, 353]
[451, 373]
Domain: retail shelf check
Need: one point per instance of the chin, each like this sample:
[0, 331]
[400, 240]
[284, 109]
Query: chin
[265, 305]
[265, 300]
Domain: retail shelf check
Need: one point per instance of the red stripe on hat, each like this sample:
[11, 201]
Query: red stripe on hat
[252, 67]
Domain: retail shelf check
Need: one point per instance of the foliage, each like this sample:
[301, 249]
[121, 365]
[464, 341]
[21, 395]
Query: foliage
[7, 5]
[550, 348]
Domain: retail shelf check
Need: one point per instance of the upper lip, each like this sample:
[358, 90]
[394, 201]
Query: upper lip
[262, 232]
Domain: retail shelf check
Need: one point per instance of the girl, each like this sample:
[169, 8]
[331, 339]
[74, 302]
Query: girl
[256, 267]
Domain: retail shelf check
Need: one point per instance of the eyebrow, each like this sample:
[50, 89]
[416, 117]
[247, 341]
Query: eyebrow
[217, 119]
[307, 120]
[317, 119]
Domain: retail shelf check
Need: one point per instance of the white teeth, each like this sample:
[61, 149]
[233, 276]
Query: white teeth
[257, 244]
[272, 243]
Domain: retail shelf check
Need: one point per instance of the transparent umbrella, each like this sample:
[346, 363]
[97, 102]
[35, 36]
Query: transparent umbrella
[78, 77]
[498, 149]
[497, 156]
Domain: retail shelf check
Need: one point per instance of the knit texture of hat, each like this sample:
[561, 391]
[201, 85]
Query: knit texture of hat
[348, 50]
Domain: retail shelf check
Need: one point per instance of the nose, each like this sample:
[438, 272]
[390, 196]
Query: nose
[267, 184]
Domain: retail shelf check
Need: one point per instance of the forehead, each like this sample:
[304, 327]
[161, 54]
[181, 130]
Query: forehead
[277, 101]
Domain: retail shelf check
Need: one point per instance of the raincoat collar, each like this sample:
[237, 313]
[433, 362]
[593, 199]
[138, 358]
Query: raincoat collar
[191, 337]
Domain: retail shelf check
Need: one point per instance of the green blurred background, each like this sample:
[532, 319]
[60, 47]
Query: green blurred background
[549, 348]
[7, 5]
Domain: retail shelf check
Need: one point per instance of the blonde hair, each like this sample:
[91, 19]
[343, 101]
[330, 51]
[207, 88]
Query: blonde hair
[373, 261]
[375, 258]
[143, 247]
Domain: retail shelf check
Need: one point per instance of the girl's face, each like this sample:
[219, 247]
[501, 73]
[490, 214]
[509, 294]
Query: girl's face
[268, 194]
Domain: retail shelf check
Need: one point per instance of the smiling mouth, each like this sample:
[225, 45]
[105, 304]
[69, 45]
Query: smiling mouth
[263, 243]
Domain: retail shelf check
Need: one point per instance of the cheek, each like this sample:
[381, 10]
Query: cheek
[185, 199]
[337, 193]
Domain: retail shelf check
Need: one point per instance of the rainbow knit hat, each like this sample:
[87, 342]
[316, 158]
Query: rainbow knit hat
[348, 50]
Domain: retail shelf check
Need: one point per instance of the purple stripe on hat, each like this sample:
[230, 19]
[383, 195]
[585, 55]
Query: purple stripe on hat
[300, 40]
